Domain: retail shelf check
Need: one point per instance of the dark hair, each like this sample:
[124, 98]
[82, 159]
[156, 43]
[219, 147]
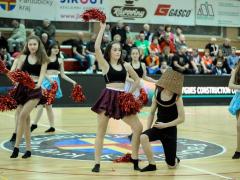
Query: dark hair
[237, 74]
[131, 53]
[55, 43]
[41, 52]
[107, 52]
[167, 26]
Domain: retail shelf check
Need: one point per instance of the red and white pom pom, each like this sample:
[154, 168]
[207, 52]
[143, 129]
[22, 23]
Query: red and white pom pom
[50, 94]
[128, 104]
[3, 68]
[7, 103]
[22, 78]
[94, 14]
[77, 94]
[143, 96]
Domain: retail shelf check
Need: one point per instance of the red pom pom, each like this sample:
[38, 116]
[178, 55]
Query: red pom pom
[125, 158]
[22, 78]
[3, 68]
[50, 94]
[12, 91]
[77, 94]
[95, 14]
[7, 103]
[128, 104]
[143, 96]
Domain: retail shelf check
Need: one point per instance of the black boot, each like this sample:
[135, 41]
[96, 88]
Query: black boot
[51, 129]
[34, 126]
[135, 164]
[150, 167]
[236, 155]
[27, 155]
[15, 153]
[13, 138]
[96, 168]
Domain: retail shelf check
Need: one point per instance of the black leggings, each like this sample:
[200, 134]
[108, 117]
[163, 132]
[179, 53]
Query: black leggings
[168, 137]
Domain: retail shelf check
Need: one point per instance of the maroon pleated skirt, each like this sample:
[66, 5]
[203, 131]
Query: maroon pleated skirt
[23, 94]
[108, 102]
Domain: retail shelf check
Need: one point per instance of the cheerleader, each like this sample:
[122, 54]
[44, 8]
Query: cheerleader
[234, 107]
[107, 106]
[54, 67]
[170, 113]
[33, 60]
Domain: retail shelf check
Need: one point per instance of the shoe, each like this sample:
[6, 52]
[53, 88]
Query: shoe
[135, 164]
[15, 153]
[236, 155]
[13, 138]
[34, 126]
[96, 168]
[150, 167]
[27, 155]
[51, 129]
[89, 71]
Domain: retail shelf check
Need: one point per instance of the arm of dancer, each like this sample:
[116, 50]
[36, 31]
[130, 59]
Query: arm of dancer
[145, 77]
[129, 79]
[63, 75]
[15, 64]
[231, 84]
[152, 113]
[180, 119]
[134, 76]
[42, 75]
[99, 55]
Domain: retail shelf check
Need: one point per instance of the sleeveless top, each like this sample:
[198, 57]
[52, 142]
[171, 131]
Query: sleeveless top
[54, 65]
[167, 110]
[32, 69]
[114, 76]
[139, 71]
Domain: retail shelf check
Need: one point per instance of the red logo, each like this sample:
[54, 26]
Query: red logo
[162, 10]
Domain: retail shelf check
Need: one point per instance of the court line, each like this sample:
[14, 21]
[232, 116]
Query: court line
[189, 167]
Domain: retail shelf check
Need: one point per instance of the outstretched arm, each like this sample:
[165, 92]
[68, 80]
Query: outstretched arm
[145, 77]
[63, 75]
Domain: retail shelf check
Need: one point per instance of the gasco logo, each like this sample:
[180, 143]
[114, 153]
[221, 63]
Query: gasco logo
[166, 10]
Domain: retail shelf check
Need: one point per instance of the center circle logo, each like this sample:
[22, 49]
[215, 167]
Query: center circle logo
[81, 147]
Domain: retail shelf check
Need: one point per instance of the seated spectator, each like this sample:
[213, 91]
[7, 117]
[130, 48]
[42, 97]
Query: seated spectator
[46, 41]
[224, 60]
[107, 32]
[127, 47]
[152, 62]
[181, 42]
[90, 53]
[47, 27]
[197, 60]
[3, 41]
[6, 57]
[212, 47]
[179, 31]
[232, 59]
[166, 56]
[207, 62]
[117, 38]
[142, 43]
[155, 46]
[119, 29]
[164, 66]
[104, 43]
[18, 37]
[226, 47]
[181, 62]
[219, 69]
[147, 32]
[167, 40]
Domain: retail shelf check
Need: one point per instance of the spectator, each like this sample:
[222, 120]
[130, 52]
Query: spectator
[119, 29]
[197, 60]
[90, 53]
[224, 60]
[181, 61]
[219, 69]
[168, 40]
[3, 41]
[105, 42]
[128, 46]
[77, 47]
[5, 57]
[179, 32]
[108, 32]
[155, 46]
[18, 37]
[117, 38]
[159, 32]
[166, 56]
[180, 42]
[232, 59]
[212, 47]
[207, 62]
[128, 31]
[49, 28]
[147, 32]
[46, 41]
[153, 63]
[144, 44]
[164, 66]
[226, 47]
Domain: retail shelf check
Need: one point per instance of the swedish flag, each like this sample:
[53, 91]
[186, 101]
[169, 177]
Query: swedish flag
[7, 5]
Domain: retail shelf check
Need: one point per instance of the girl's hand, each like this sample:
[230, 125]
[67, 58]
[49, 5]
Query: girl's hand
[74, 84]
[160, 125]
[102, 25]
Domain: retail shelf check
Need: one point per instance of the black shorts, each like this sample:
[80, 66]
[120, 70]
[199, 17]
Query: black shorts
[168, 137]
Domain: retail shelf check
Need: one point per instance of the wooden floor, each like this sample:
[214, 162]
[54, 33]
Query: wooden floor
[211, 124]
